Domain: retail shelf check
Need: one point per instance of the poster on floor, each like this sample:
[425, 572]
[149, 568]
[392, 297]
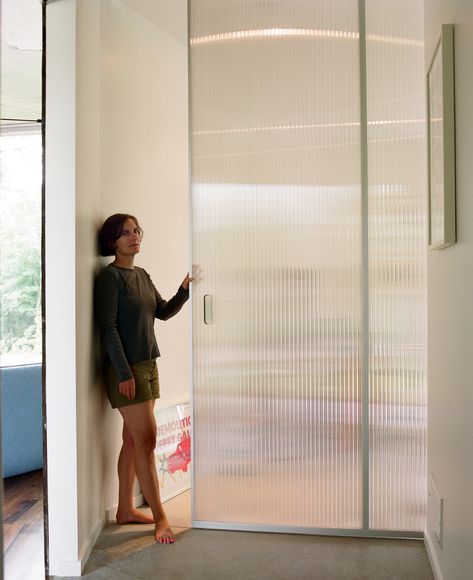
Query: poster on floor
[173, 449]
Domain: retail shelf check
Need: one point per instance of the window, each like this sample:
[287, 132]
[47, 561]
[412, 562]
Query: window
[20, 245]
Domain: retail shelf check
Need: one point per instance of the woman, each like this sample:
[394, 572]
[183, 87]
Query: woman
[126, 304]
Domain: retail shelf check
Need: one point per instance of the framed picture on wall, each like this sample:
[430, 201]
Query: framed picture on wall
[441, 143]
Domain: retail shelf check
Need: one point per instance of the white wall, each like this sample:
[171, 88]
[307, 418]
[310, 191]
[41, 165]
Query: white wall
[144, 169]
[91, 406]
[116, 141]
[60, 288]
[450, 315]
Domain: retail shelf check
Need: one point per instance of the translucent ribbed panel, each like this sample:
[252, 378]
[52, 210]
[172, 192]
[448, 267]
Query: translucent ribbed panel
[277, 234]
[397, 264]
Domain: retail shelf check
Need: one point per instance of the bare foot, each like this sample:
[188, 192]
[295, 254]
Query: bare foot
[134, 517]
[163, 533]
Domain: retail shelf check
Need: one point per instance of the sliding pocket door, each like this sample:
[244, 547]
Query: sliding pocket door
[276, 215]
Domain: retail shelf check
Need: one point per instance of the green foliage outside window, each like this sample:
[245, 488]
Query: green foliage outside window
[20, 247]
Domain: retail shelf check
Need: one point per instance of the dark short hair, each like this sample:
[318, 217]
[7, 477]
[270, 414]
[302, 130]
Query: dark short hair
[110, 232]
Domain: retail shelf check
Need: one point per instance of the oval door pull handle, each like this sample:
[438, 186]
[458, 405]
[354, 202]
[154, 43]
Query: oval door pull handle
[208, 309]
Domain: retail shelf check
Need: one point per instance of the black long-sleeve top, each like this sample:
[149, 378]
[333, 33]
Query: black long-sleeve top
[126, 305]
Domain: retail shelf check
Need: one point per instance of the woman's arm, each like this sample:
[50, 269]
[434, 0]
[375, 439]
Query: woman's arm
[166, 309]
[106, 307]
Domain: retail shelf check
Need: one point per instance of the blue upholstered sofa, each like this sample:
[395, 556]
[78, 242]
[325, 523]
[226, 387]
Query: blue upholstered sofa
[22, 443]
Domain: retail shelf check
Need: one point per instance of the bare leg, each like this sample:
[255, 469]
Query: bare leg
[141, 425]
[126, 512]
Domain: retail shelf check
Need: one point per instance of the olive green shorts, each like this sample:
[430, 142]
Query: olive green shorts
[146, 378]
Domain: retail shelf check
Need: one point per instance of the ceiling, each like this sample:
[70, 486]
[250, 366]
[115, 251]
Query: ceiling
[170, 16]
[21, 49]
[21, 43]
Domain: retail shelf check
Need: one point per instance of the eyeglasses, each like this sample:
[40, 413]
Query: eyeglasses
[138, 232]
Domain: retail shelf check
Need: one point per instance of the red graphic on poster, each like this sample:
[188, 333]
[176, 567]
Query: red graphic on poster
[181, 458]
[173, 449]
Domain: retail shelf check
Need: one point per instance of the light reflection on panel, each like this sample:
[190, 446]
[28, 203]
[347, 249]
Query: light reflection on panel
[397, 267]
[276, 232]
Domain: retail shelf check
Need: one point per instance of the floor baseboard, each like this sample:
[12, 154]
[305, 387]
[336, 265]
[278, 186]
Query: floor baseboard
[432, 556]
[87, 549]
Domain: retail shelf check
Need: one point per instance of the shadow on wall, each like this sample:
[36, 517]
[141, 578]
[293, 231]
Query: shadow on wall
[22, 438]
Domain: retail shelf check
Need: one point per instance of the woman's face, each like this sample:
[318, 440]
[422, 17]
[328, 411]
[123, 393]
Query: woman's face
[129, 242]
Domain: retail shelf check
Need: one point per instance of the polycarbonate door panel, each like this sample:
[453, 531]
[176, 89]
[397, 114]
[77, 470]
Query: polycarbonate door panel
[397, 264]
[276, 212]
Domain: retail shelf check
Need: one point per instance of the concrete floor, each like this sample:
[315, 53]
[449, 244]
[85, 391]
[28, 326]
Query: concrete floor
[129, 552]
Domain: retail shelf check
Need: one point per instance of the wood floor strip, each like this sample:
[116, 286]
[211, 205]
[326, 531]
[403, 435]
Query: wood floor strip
[23, 527]
[22, 508]
[10, 532]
